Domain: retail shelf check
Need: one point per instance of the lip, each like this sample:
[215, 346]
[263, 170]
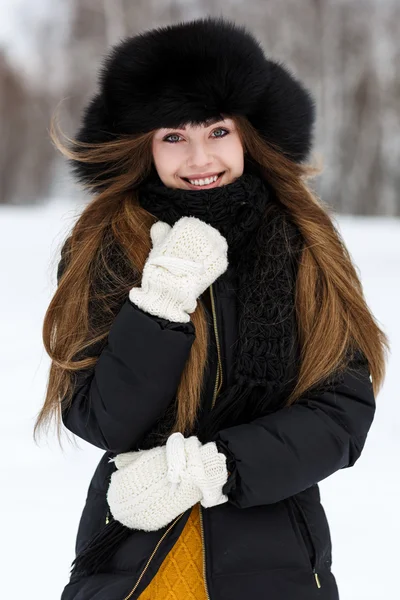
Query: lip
[204, 187]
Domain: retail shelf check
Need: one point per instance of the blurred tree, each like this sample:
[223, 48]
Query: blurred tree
[25, 152]
[346, 51]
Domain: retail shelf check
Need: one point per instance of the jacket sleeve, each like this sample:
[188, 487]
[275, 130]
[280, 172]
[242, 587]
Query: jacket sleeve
[281, 454]
[133, 381]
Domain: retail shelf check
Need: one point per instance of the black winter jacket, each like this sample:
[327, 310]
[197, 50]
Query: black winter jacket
[271, 539]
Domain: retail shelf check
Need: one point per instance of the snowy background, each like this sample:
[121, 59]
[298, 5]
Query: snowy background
[44, 489]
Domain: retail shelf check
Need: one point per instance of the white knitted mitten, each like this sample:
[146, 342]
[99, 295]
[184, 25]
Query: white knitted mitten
[184, 261]
[152, 487]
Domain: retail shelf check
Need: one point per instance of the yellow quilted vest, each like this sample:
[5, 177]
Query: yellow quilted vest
[180, 576]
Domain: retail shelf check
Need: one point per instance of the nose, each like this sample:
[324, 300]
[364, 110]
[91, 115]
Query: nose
[199, 156]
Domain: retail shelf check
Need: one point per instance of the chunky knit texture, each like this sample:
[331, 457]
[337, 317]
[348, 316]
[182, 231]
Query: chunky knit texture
[180, 576]
[184, 261]
[152, 487]
[263, 247]
[234, 209]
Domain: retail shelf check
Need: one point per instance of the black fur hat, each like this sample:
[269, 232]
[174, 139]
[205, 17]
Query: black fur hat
[190, 72]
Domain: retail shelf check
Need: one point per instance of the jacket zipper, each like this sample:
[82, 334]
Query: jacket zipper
[217, 387]
[219, 377]
[151, 556]
[302, 515]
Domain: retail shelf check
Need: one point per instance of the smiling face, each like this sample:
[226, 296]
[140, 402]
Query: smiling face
[200, 154]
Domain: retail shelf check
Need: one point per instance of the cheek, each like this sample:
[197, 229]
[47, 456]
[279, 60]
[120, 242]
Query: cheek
[233, 153]
[165, 160]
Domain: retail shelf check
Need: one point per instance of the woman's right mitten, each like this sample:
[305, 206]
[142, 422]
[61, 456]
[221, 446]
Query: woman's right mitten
[184, 261]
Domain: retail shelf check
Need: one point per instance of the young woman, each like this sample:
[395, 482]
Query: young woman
[209, 329]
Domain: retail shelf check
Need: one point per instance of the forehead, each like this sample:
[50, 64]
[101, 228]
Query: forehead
[203, 125]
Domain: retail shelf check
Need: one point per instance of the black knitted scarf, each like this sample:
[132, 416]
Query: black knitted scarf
[263, 248]
[263, 251]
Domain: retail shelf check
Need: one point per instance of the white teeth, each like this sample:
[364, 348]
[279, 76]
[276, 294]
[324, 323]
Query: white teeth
[204, 181]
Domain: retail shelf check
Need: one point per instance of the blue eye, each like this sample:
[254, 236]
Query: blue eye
[166, 139]
[221, 129]
[169, 136]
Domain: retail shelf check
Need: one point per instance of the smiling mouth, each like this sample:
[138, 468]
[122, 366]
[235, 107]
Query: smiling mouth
[210, 185]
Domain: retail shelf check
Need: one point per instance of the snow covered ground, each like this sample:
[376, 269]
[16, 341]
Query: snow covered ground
[44, 489]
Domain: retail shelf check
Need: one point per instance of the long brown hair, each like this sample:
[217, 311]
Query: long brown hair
[107, 248]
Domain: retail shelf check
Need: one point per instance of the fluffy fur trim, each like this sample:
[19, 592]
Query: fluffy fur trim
[190, 72]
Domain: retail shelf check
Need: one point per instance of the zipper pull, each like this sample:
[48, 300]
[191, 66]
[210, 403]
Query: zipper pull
[317, 579]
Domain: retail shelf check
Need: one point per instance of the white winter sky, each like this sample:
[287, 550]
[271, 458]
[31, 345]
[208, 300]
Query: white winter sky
[18, 20]
[20, 28]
